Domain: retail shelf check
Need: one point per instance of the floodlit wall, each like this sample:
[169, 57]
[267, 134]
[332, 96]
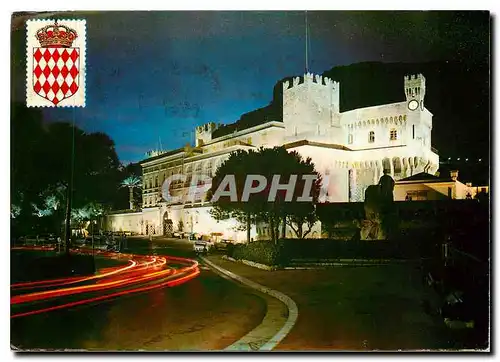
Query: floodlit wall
[434, 190]
[378, 119]
[124, 222]
[199, 220]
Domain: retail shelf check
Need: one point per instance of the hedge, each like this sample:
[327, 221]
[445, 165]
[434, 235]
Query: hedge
[264, 252]
[347, 249]
[282, 253]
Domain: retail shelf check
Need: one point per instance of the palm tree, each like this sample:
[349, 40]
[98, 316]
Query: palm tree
[132, 182]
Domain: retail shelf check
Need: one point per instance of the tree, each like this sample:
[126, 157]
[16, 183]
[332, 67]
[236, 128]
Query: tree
[132, 182]
[28, 177]
[268, 163]
[302, 214]
[224, 208]
[294, 213]
[41, 156]
[85, 215]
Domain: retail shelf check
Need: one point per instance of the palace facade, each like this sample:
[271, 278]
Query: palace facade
[353, 148]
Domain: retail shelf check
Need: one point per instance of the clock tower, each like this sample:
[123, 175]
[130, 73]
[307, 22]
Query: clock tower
[415, 92]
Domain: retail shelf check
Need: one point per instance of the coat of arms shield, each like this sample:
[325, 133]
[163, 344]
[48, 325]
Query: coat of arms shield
[55, 72]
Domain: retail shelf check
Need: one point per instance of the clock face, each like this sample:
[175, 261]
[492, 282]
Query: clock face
[413, 104]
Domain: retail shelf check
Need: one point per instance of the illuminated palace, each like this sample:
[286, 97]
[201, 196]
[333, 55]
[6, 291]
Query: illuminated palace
[353, 148]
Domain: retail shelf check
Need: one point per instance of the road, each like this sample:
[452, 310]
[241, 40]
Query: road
[204, 313]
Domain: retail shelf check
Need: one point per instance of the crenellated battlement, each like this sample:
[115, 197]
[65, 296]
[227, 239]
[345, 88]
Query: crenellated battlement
[310, 78]
[414, 86]
[207, 127]
[414, 77]
[204, 133]
[311, 105]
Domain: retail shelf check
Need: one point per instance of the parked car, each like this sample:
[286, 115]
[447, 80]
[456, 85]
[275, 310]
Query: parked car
[223, 244]
[28, 239]
[201, 246]
[193, 236]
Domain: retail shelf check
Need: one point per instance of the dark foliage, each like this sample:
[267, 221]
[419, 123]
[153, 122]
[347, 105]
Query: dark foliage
[320, 249]
[49, 266]
[41, 167]
[263, 252]
[268, 162]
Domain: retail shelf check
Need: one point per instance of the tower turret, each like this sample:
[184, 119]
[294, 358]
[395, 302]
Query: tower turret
[204, 133]
[415, 91]
[310, 105]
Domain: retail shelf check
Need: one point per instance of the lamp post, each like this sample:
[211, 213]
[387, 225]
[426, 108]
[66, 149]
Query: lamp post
[67, 234]
[93, 221]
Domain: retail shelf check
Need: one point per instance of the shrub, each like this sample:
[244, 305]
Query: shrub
[264, 252]
[282, 253]
[346, 249]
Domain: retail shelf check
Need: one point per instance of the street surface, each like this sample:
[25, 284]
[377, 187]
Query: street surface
[205, 312]
[353, 308]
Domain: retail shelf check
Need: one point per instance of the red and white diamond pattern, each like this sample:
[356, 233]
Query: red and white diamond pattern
[55, 72]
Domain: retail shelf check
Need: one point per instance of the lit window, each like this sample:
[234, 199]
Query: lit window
[349, 139]
[394, 134]
[208, 169]
[371, 137]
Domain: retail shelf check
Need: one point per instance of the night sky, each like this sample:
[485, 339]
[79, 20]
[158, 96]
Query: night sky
[158, 75]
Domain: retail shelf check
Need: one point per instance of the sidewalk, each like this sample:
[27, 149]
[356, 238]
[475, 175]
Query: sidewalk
[360, 308]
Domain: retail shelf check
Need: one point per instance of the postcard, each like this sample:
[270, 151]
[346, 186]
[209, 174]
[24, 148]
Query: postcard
[246, 181]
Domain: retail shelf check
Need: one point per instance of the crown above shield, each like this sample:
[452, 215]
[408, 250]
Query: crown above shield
[55, 36]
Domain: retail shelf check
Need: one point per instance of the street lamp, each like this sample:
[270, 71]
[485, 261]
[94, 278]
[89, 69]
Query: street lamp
[93, 223]
[67, 233]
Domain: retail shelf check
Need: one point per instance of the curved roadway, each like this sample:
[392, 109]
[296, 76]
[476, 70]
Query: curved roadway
[156, 297]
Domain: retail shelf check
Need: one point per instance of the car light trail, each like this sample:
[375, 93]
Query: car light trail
[141, 273]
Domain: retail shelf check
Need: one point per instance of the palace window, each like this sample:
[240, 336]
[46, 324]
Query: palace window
[394, 134]
[371, 137]
[208, 168]
[156, 181]
[350, 139]
[413, 128]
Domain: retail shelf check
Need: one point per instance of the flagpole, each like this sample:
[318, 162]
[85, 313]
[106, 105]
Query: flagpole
[307, 35]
